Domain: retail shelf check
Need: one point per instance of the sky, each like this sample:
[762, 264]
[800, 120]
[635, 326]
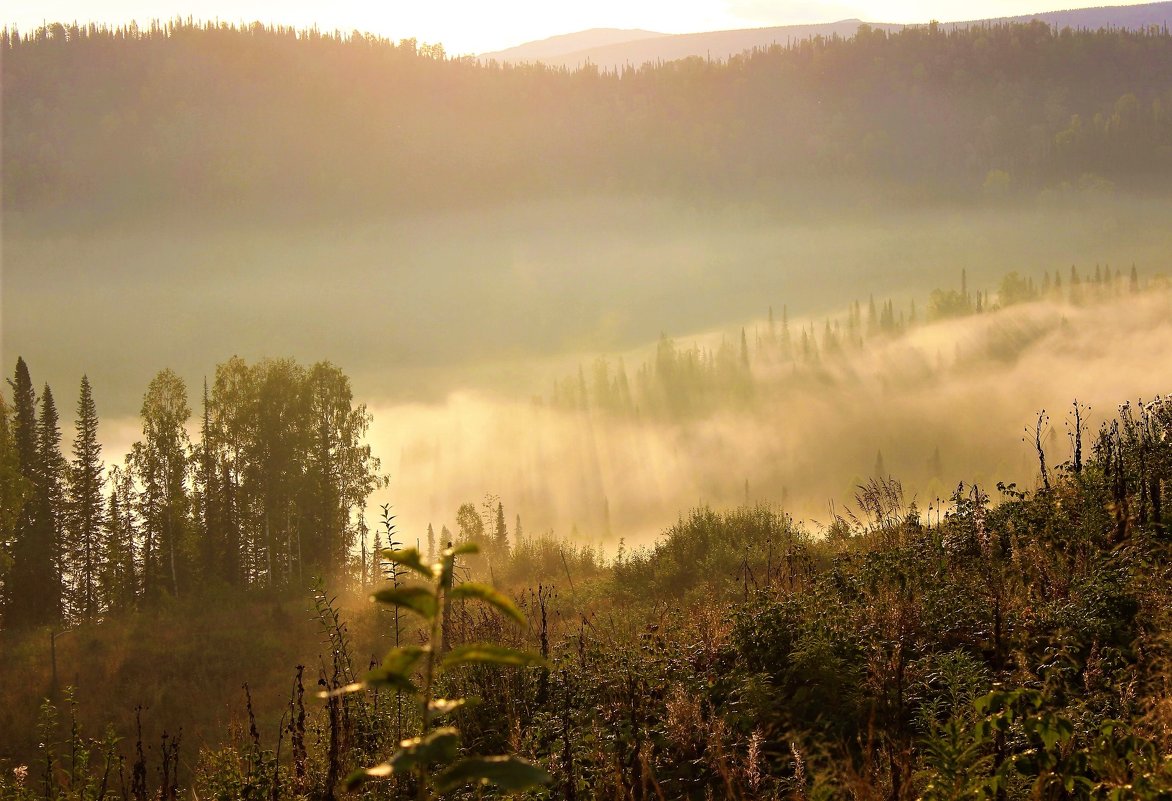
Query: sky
[476, 26]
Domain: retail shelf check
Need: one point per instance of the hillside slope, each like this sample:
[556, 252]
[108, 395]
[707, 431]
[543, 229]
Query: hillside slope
[190, 118]
[722, 44]
[557, 46]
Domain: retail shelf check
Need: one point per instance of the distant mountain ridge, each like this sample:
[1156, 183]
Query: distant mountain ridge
[567, 43]
[639, 47]
[669, 47]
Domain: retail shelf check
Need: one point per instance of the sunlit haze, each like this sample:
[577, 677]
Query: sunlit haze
[471, 26]
[729, 399]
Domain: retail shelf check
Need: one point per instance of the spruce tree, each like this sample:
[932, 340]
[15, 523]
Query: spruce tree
[24, 429]
[13, 490]
[35, 592]
[85, 505]
[43, 551]
[786, 340]
[20, 587]
[500, 534]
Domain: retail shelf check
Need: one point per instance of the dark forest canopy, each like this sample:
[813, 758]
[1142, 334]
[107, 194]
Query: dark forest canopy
[269, 495]
[214, 118]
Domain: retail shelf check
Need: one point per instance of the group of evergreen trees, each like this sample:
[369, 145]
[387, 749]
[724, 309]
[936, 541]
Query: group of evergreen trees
[267, 497]
[189, 117]
[684, 380]
[1012, 647]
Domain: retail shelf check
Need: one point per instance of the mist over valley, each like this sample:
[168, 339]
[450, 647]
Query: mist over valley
[769, 413]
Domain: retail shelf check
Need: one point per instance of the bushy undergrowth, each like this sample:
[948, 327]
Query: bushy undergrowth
[1010, 648]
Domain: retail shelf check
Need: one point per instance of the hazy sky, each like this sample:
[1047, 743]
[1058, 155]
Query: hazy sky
[474, 26]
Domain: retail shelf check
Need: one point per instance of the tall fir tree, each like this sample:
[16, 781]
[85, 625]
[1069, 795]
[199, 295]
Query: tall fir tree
[86, 476]
[13, 491]
[45, 550]
[21, 589]
[24, 424]
[500, 534]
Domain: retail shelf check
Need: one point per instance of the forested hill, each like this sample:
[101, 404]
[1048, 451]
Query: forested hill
[187, 119]
[614, 49]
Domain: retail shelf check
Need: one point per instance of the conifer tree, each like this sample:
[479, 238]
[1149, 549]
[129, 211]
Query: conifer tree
[623, 386]
[85, 505]
[375, 573]
[24, 430]
[500, 534]
[44, 551]
[13, 490]
[786, 340]
[21, 582]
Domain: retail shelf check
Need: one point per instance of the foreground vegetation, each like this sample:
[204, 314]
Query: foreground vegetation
[1009, 643]
[1014, 648]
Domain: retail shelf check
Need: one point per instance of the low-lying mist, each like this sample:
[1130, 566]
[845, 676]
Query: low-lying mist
[946, 402]
[416, 308]
[943, 402]
[450, 326]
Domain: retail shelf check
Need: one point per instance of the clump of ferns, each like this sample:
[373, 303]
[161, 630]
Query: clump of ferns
[432, 759]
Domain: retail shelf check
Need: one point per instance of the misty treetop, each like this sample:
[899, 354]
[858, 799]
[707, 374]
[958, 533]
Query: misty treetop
[270, 495]
[683, 381]
[219, 118]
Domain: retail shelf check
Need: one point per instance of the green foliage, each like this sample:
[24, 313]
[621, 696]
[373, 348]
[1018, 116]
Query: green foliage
[282, 469]
[84, 512]
[1008, 649]
[957, 764]
[485, 593]
[437, 749]
[416, 599]
[13, 492]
